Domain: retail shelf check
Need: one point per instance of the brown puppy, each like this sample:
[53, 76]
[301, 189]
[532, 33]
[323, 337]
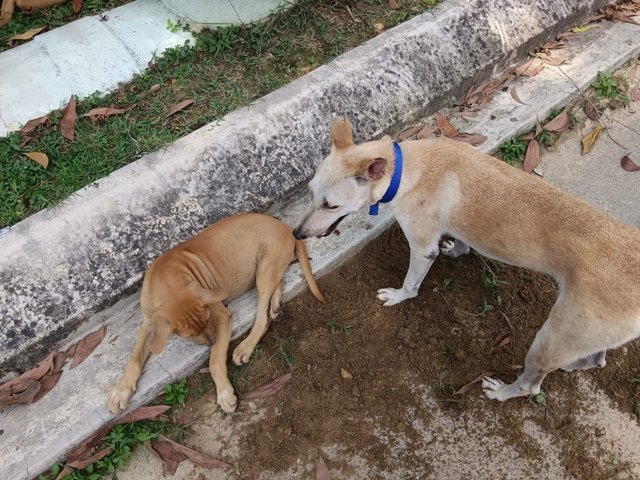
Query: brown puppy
[8, 7]
[184, 288]
[448, 187]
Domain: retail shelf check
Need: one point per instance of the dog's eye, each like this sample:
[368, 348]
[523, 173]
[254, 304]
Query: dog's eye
[327, 206]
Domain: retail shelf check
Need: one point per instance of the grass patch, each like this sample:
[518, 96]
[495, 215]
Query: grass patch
[611, 87]
[175, 393]
[221, 71]
[52, 17]
[513, 150]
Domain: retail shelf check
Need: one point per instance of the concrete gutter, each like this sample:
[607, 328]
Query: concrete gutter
[63, 265]
[293, 124]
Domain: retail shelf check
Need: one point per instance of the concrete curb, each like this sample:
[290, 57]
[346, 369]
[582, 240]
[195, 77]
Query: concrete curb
[63, 265]
[44, 431]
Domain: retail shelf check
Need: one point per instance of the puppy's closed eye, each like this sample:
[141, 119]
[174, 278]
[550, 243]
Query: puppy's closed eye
[326, 205]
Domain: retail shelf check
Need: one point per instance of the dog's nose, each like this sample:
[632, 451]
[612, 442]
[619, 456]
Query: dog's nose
[297, 234]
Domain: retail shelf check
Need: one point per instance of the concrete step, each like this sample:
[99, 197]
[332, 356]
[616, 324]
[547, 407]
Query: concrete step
[267, 149]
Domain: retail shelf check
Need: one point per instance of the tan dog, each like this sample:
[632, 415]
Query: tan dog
[449, 187]
[184, 288]
[8, 7]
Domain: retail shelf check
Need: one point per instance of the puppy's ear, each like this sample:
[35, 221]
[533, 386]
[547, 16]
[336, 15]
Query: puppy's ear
[376, 169]
[341, 133]
[162, 333]
[208, 296]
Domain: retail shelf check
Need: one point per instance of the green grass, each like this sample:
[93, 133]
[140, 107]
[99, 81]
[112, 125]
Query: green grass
[52, 17]
[611, 87]
[223, 70]
[122, 439]
[175, 393]
[513, 150]
[334, 327]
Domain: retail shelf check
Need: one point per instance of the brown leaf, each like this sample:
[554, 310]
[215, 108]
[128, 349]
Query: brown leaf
[170, 457]
[515, 96]
[505, 341]
[516, 367]
[445, 127]
[475, 383]
[408, 132]
[538, 128]
[85, 447]
[633, 71]
[628, 164]
[28, 35]
[38, 157]
[268, 389]
[144, 413]
[46, 384]
[103, 112]
[635, 94]
[87, 345]
[205, 461]
[590, 139]
[393, 4]
[559, 123]
[529, 68]
[532, 158]
[152, 89]
[346, 374]
[528, 136]
[69, 120]
[550, 59]
[32, 384]
[322, 472]
[152, 66]
[594, 18]
[590, 111]
[179, 106]
[31, 125]
[76, 5]
[81, 464]
[554, 45]
[18, 391]
[474, 139]
[426, 132]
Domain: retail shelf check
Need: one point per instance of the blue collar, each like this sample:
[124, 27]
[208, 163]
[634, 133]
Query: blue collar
[395, 181]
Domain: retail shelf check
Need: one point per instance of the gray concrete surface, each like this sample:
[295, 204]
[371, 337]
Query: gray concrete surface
[60, 266]
[82, 57]
[223, 12]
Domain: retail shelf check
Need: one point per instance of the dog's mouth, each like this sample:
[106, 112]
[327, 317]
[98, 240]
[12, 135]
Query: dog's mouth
[331, 228]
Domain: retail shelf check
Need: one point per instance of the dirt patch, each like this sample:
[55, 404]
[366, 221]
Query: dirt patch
[398, 415]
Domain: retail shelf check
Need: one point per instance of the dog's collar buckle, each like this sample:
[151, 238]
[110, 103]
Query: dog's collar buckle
[395, 181]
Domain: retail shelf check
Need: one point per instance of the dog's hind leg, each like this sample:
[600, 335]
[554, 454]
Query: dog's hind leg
[454, 248]
[218, 361]
[591, 361]
[275, 308]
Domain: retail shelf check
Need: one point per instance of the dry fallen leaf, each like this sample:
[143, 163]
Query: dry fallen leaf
[346, 374]
[532, 158]
[85, 447]
[426, 132]
[205, 461]
[590, 139]
[38, 157]
[28, 35]
[69, 120]
[81, 464]
[76, 5]
[529, 68]
[445, 127]
[515, 96]
[179, 106]
[144, 413]
[322, 472]
[635, 94]
[474, 139]
[538, 127]
[378, 27]
[550, 59]
[582, 28]
[408, 132]
[633, 71]
[31, 125]
[87, 345]
[268, 389]
[559, 123]
[152, 66]
[590, 111]
[102, 112]
[170, 457]
[473, 383]
[393, 4]
[628, 164]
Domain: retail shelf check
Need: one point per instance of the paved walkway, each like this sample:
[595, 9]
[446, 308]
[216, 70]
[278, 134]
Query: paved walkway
[97, 53]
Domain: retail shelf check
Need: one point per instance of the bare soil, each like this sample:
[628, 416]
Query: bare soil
[398, 416]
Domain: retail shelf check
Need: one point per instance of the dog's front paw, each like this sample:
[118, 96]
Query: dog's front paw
[119, 398]
[493, 388]
[448, 248]
[227, 401]
[242, 353]
[392, 296]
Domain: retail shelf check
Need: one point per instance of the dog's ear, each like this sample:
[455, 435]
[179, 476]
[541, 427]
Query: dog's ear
[208, 296]
[341, 133]
[376, 169]
[162, 333]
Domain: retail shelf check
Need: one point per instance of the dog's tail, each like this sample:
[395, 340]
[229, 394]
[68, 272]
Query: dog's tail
[303, 258]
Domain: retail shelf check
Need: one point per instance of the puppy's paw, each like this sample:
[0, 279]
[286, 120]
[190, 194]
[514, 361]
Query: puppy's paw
[119, 398]
[392, 296]
[493, 388]
[448, 248]
[227, 401]
[242, 353]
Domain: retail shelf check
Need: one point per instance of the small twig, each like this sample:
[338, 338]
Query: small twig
[508, 321]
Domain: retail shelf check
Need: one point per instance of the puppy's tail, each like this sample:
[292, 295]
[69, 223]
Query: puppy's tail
[303, 257]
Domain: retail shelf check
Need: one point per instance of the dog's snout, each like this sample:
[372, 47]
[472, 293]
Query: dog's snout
[298, 235]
